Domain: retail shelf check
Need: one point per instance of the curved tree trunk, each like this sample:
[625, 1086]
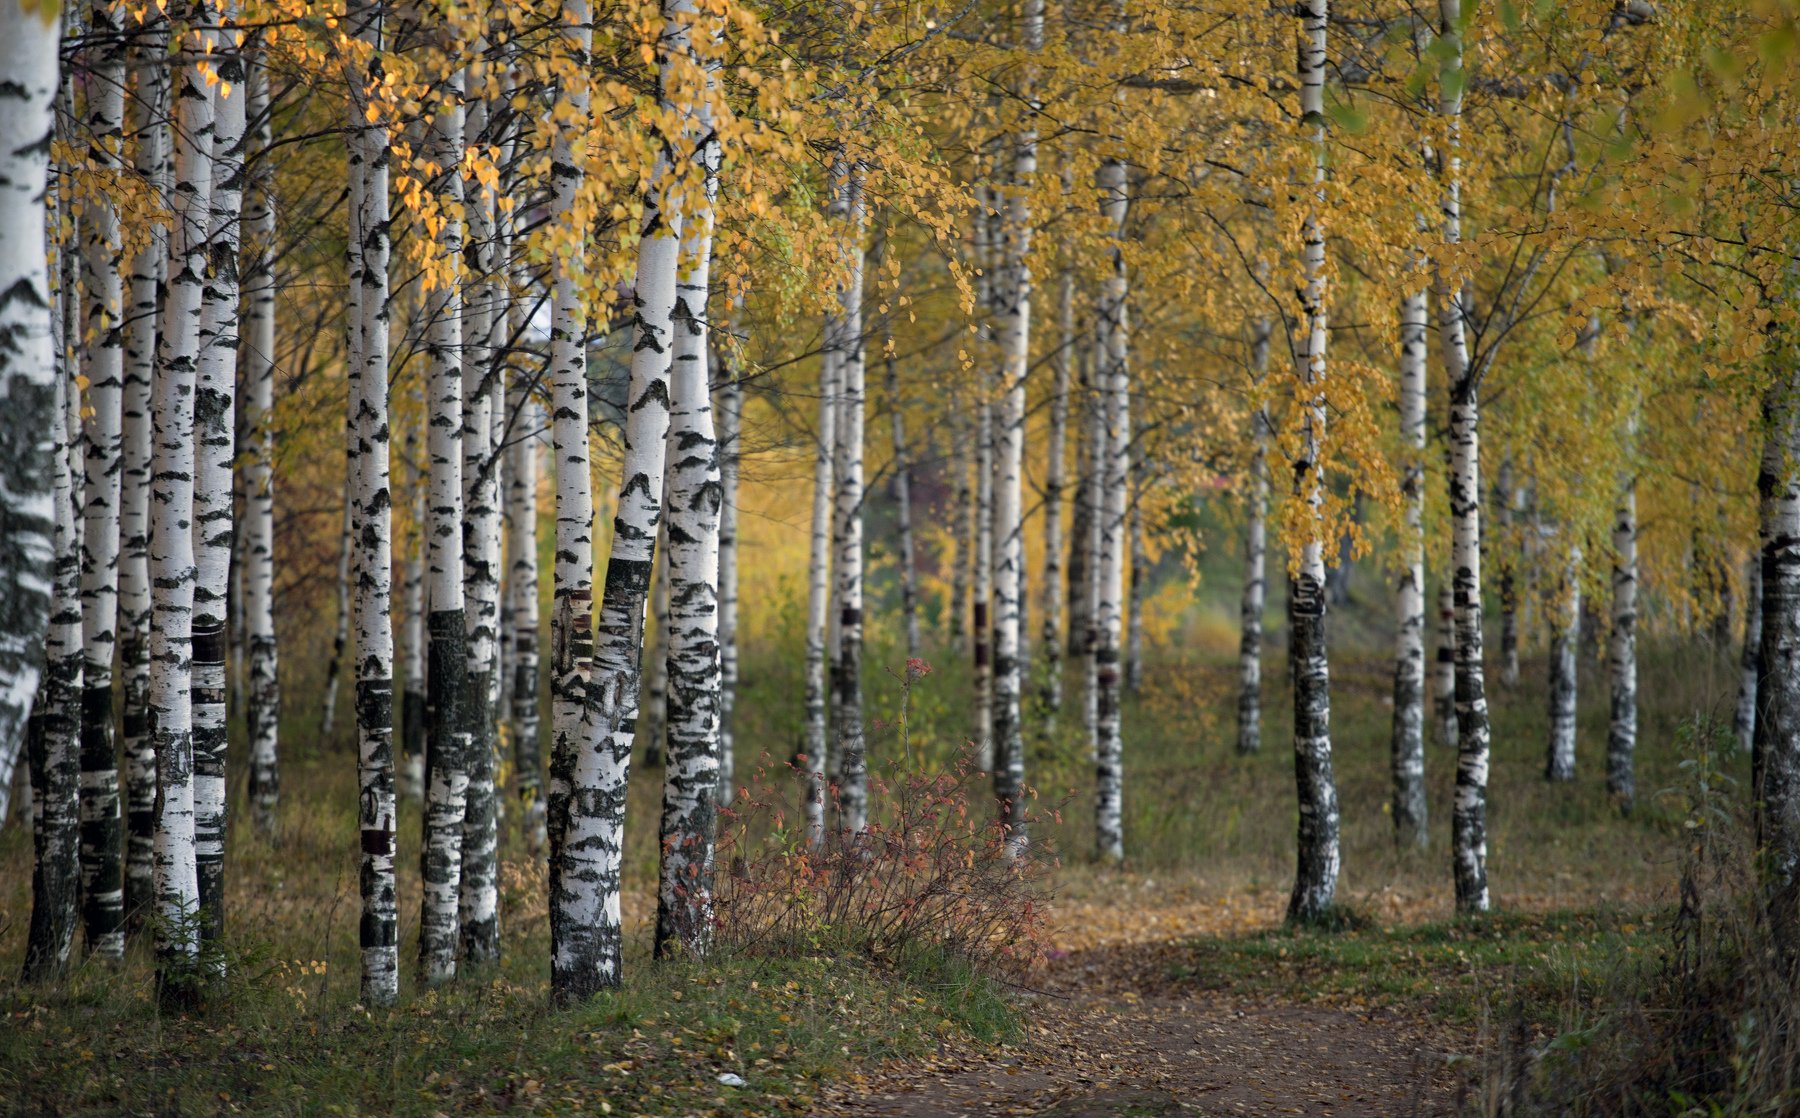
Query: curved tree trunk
[103, 266]
[1409, 804]
[1565, 636]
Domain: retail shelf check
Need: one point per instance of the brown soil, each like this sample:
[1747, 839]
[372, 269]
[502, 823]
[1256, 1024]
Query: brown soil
[1110, 1036]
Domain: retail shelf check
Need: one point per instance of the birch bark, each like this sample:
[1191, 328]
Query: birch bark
[1055, 482]
[1113, 465]
[1750, 664]
[1565, 638]
[728, 404]
[1256, 546]
[847, 211]
[1410, 807]
[264, 706]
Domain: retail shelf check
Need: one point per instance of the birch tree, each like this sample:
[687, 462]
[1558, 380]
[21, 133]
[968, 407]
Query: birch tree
[1256, 545]
[28, 55]
[1315, 879]
[148, 109]
[172, 556]
[103, 268]
[214, 433]
[1743, 723]
[1114, 468]
[448, 749]
[1565, 641]
[1469, 817]
[728, 405]
[522, 605]
[368, 149]
[848, 215]
[263, 713]
[1443, 684]
[1055, 480]
[905, 547]
[1409, 803]
[818, 574]
[1621, 729]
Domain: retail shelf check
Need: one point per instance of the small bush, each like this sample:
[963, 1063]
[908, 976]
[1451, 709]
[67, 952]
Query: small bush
[933, 872]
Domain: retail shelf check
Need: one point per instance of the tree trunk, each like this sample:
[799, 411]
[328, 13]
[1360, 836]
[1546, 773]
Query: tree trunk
[729, 406]
[1743, 723]
[1140, 577]
[264, 699]
[656, 681]
[1775, 758]
[1410, 805]
[478, 903]
[818, 576]
[415, 707]
[215, 433]
[1469, 818]
[448, 749]
[1315, 880]
[172, 559]
[1256, 536]
[1621, 730]
[54, 737]
[1081, 513]
[378, 933]
[1444, 681]
[684, 909]
[1095, 485]
[1055, 481]
[1565, 636]
[905, 550]
[340, 638]
[522, 600]
[1113, 466]
[103, 267]
[981, 633]
[1504, 497]
[149, 121]
[963, 522]
[847, 570]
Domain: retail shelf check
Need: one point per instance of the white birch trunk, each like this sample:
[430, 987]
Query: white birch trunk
[1743, 723]
[1114, 468]
[1622, 726]
[215, 435]
[415, 708]
[149, 124]
[522, 602]
[684, 909]
[818, 597]
[1410, 808]
[448, 749]
[1775, 758]
[1095, 484]
[1256, 548]
[847, 568]
[728, 405]
[377, 812]
[981, 631]
[1468, 826]
[1055, 482]
[103, 269]
[172, 560]
[340, 631]
[1443, 686]
[1565, 639]
[1315, 879]
[263, 713]
[656, 672]
[478, 888]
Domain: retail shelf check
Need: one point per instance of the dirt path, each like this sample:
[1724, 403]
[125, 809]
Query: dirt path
[1111, 1034]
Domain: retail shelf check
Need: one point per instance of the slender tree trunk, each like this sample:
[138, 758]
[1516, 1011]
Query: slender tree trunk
[1081, 513]
[684, 910]
[1743, 723]
[172, 558]
[728, 405]
[818, 576]
[369, 421]
[1444, 677]
[1565, 636]
[522, 599]
[54, 737]
[905, 548]
[1256, 535]
[415, 705]
[1095, 486]
[448, 750]
[340, 638]
[963, 519]
[1315, 879]
[103, 268]
[478, 904]
[1469, 818]
[585, 930]
[1113, 465]
[149, 121]
[1410, 806]
[1055, 481]
[656, 674]
[264, 705]
[981, 632]
[215, 433]
[573, 800]
[1775, 758]
[1140, 576]
[1504, 498]
[1621, 730]
[847, 210]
